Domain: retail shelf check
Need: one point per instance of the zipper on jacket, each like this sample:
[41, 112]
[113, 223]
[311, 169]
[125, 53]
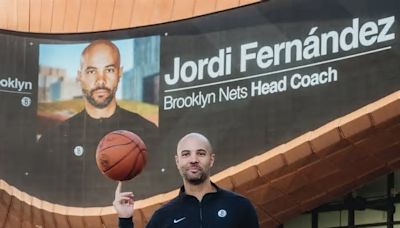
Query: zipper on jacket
[201, 215]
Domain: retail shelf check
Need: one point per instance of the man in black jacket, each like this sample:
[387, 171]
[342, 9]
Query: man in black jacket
[200, 202]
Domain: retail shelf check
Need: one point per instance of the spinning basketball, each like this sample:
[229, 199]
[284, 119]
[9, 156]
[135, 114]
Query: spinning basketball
[121, 155]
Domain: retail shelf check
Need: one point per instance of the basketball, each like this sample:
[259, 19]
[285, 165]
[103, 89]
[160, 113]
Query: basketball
[121, 155]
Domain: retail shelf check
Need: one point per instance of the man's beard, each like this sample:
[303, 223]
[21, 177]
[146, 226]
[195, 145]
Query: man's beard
[99, 104]
[195, 180]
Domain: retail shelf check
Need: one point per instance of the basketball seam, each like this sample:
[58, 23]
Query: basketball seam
[135, 136]
[133, 166]
[122, 158]
[130, 140]
[144, 161]
[122, 144]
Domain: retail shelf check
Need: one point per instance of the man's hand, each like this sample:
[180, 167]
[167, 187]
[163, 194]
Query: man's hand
[123, 202]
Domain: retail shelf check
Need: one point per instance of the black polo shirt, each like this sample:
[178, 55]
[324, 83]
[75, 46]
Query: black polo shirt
[65, 168]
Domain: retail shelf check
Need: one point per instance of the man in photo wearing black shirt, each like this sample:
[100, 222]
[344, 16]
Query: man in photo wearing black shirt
[66, 153]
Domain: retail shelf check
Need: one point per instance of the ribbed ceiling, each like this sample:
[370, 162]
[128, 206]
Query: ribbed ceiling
[76, 16]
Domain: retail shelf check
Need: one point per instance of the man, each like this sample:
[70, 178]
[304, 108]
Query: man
[66, 154]
[200, 202]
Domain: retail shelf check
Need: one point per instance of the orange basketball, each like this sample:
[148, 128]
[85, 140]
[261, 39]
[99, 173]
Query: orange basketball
[121, 155]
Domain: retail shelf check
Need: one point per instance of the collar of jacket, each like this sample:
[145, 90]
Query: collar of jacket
[182, 192]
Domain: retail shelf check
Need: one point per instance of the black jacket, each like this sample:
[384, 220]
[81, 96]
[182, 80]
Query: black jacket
[217, 209]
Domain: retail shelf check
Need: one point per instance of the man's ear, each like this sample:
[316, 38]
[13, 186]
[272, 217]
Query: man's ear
[78, 76]
[176, 160]
[212, 159]
[121, 71]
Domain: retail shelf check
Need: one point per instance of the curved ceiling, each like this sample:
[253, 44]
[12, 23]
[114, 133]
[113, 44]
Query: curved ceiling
[286, 181]
[78, 16]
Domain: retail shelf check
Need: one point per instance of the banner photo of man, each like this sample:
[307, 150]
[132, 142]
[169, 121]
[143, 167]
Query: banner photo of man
[90, 90]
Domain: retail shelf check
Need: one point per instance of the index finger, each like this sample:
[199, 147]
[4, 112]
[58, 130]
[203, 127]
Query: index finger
[118, 190]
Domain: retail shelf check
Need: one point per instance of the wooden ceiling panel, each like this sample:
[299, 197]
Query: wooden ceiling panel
[37, 219]
[269, 223]
[374, 173]
[26, 212]
[122, 14]
[109, 220]
[314, 202]
[73, 219]
[388, 154]
[5, 200]
[289, 182]
[92, 219]
[3, 14]
[108, 217]
[34, 17]
[23, 15]
[278, 205]
[264, 193]
[46, 16]
[87, 14]
[348, 155]
[317, 170]
[162, 11]
[245, 176]
[60, 217]
[224, 182]
[298, 152]
[148, 211]
[72, 11]
[14, 214]
[59, 7]
[182, 9]
[142, 11]
[325, 139]
[139, 219]
[272, 165]
[395, 164]
[308, 191]
[247, 2]
[264, 217]
[48, 214]
[226, 4]
[356, 127]
[288, 213]
[104, 15]
[202, 7]
[76, 16]
[12, 11]
[386, 113]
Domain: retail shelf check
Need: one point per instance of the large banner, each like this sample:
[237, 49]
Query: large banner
[250, 79]
[276, 71]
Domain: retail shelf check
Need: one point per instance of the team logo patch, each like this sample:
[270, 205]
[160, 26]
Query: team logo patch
[222, 213]
[78, 151]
